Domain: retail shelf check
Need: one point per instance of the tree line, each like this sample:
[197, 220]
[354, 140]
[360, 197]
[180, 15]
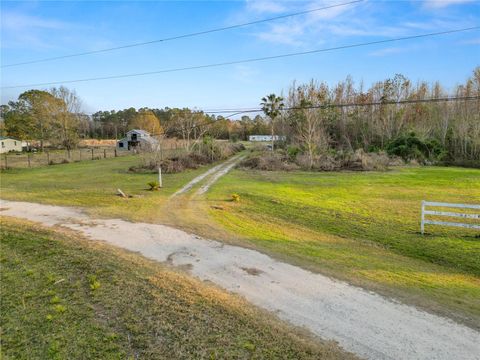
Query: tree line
[385, 116]
[55, 117]
[314, 117]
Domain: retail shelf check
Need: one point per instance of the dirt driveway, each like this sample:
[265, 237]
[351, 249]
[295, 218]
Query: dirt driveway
[360, 321]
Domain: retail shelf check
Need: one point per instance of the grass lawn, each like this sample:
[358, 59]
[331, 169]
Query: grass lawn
[93, 185]
[363, 227]
[65, 297]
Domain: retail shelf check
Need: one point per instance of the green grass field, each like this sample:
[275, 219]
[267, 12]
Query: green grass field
[363, 227]
[65, 297]
[93, 185]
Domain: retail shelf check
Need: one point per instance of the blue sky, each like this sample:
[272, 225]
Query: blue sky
[35, 30]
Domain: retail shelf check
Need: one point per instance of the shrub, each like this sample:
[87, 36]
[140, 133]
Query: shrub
[235, 197]
[269, 161]
[410, 147]
[154, 185]
[293, 151]
[201, 153]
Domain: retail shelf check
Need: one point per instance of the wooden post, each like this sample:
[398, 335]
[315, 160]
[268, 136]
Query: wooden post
[160, 177]
[6, 163]
[80, 155]
[48, 158]
[422, 224]
[115, 152]
[28, 159]
[92, 153]
[104, 153]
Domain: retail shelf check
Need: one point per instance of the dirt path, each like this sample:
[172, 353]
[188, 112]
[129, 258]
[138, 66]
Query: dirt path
[362, 322]
[222, 171]
[217, 171]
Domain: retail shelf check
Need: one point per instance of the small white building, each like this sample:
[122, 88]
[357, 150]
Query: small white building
[8, 144]
[266, 138]
[137, 139]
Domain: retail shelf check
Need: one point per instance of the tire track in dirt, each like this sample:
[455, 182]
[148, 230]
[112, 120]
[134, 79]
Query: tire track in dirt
[214, 171]
[222, 171]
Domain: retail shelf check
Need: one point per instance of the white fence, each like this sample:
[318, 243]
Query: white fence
[449, 214]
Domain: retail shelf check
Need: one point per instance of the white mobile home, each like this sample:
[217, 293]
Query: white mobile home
[137, 139]
[266, 138]
[8, 144]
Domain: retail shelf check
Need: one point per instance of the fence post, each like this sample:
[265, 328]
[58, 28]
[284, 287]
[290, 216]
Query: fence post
[92, 153]
[422, 224]
[160, 177]
[115, 152]
[48, 157]
[104, 153]
[6, 163]
[28, 159]
[80, 154]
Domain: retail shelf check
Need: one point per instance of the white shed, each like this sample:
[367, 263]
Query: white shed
[266, 138]
[8, 144]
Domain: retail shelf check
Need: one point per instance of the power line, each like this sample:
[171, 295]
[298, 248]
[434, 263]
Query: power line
[346, 105]
[183, 36]
[234, 62]
[410, 101]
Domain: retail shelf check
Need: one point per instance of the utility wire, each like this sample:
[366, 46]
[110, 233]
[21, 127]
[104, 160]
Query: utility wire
[183, 36]
[234, 62]
[346, 105]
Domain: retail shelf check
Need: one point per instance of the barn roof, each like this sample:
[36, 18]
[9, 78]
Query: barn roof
[7, 137]
[139, 131]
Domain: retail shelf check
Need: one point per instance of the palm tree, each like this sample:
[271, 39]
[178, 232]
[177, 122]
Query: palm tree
[272, 106]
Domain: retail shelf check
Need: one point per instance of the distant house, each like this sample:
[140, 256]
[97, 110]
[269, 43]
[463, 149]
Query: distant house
[137, 139]
[8, 144]
[266, 138]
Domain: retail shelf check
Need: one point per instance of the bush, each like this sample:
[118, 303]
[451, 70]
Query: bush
[235, 197]
[269, 161]
[410, 147]
[154, 185]
[202, 153]
[327, 161]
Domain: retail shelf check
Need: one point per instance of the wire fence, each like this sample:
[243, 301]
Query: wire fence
[53, 157]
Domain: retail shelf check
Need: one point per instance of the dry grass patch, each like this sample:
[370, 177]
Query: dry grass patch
[67, 297]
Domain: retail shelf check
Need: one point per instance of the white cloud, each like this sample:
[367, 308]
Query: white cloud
[439, 4]
[290, 34]
[265, 6]
[471, 42]
[244, 73]
[388, 51]
[297, 30]
[19, 22]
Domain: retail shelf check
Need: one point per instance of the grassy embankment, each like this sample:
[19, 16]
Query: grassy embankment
[363, 228]
[65, 297]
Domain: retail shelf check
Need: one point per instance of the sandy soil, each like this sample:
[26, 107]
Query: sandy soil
[360, 321]
[214, 170]
[218, 174]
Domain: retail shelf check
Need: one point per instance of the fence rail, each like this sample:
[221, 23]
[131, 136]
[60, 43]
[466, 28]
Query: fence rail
[448, 214]
[52, 157]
